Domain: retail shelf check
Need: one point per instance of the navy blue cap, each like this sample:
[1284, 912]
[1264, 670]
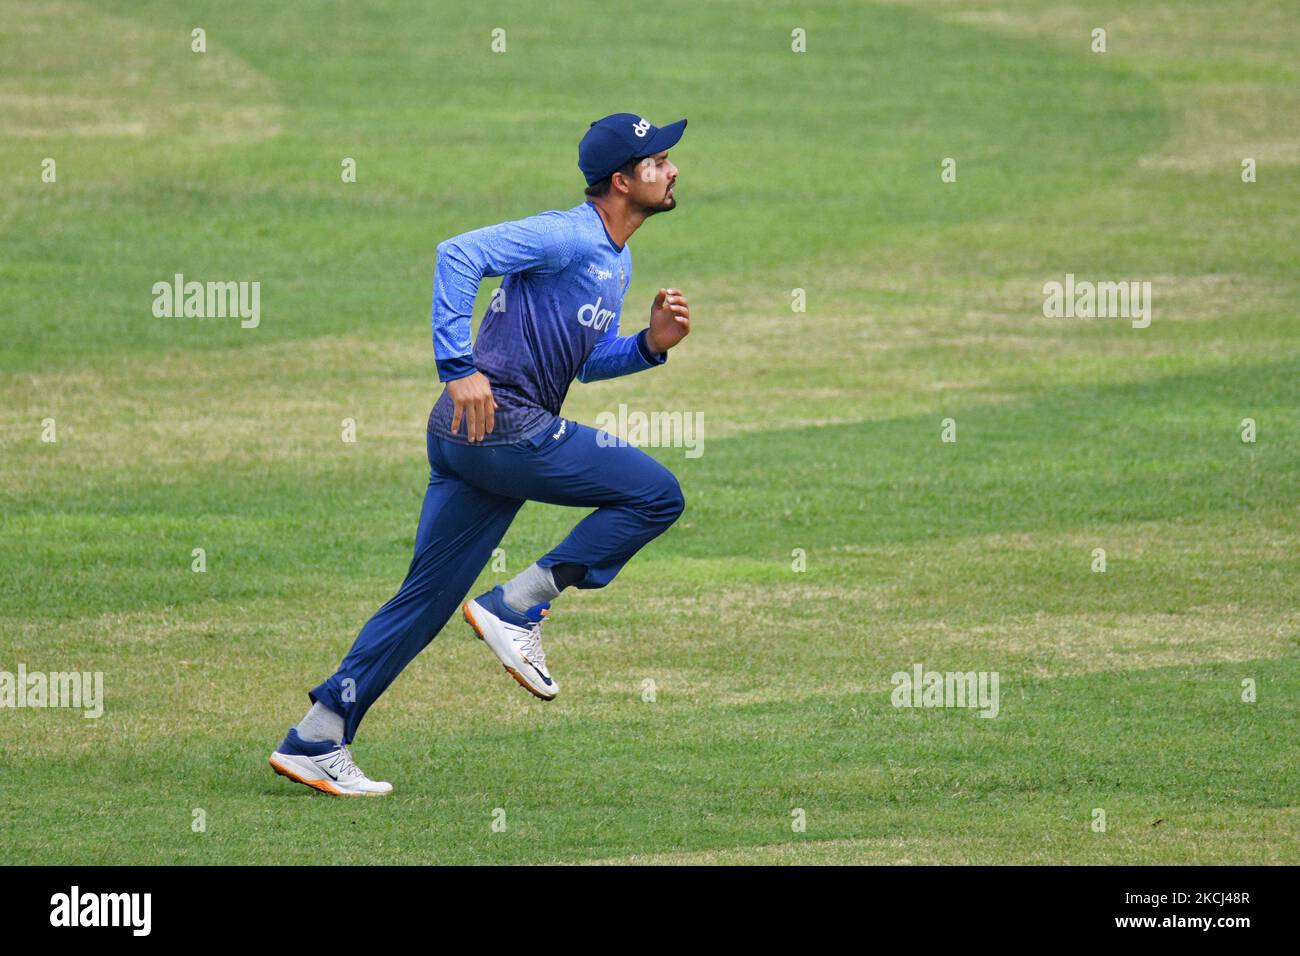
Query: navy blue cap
[619, 138]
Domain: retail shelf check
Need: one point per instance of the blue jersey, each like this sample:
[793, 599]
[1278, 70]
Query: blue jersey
[554, 319]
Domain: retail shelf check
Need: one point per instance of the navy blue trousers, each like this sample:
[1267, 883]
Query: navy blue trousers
[474, 493]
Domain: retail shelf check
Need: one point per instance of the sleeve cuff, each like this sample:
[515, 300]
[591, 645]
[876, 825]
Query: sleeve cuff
[651, 358]
[453, 368]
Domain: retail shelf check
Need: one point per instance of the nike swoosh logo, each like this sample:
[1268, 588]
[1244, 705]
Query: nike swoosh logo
[327, 772]
[546, 680]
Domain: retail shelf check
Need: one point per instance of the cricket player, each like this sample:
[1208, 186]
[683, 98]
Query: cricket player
[496, 438]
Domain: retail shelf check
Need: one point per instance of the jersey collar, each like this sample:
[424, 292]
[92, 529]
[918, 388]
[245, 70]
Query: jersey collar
[601, 219]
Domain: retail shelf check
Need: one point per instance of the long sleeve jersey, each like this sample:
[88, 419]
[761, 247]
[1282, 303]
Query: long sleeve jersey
[554, 319]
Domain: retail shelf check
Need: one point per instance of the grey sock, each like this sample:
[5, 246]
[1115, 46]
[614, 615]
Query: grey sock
[532, 585]
[321, 724]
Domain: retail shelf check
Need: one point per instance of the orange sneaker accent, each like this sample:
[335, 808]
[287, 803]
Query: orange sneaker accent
[322, 785]
[469, 619]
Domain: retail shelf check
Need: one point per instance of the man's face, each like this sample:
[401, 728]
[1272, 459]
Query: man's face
[651, 184]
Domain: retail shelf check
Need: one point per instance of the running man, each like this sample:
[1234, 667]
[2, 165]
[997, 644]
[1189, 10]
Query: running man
[496, 438]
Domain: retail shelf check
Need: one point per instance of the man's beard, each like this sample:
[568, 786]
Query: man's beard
[649, 211]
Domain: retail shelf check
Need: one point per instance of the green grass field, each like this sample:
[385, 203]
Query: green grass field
[1120, 691]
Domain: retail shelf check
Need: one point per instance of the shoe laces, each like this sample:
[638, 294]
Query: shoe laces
[344, 764]
[531, 644]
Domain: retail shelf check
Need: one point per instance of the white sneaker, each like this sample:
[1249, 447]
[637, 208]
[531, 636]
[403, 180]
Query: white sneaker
[326, 766]
[515, 638]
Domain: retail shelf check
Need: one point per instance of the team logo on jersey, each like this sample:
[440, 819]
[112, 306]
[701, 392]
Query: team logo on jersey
[641, 128]
[622, 281]
[594, 317]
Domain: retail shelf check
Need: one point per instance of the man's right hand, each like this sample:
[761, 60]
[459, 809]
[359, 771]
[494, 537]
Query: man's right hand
[472, 396]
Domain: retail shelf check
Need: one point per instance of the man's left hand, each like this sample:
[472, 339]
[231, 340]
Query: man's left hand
[670, 320]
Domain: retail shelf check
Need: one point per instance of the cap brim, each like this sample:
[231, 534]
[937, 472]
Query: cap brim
[665, 137]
